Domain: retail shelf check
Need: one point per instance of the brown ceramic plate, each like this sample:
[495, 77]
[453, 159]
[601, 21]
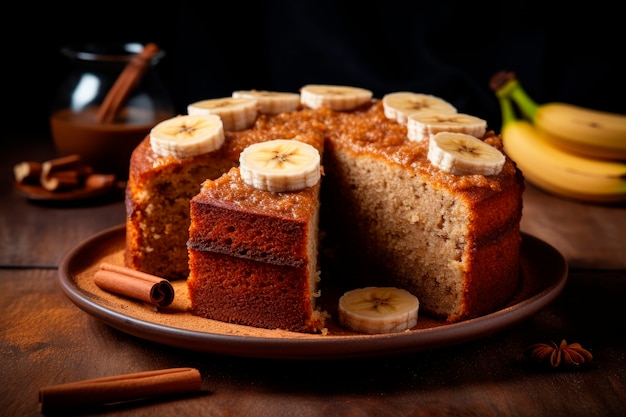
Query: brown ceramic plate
[544, 273]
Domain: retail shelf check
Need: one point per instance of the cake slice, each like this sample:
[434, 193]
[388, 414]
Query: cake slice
[253, 245]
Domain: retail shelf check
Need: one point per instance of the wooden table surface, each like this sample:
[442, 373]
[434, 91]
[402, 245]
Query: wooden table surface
[46, 339]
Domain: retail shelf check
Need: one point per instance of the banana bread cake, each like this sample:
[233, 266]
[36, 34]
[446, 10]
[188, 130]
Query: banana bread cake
[407, 210]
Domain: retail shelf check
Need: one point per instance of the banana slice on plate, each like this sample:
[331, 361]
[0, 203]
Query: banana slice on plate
[462, 154]
[236, 113]
[400, 105]
[187, 136]
[280, 165]
[271, 102]
[422, 126]
[335, 97]
[378, 310]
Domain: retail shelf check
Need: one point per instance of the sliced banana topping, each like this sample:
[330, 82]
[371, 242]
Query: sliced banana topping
[187, 136]
[236, 113]
[400, 105]
[462, 154]
[378, 310]
[335, 97]
[271, 102]
[422, 126]
[280, 165]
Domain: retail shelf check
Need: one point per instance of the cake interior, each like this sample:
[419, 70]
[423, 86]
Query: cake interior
[160, 215]
[451, 240]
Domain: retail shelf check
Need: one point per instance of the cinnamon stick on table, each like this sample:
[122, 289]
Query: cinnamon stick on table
[134, 284]
[114, 389]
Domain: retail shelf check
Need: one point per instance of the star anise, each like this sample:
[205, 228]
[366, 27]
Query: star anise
[572, 354]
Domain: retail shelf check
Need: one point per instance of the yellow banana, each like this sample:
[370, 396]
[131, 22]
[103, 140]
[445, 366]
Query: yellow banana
[556, 170]
[577, 129]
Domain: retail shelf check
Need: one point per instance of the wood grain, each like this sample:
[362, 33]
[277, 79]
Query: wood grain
[57, 343]
[45, 339]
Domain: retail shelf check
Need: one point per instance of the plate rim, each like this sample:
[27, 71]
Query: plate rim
[315, 346]
[38, 193]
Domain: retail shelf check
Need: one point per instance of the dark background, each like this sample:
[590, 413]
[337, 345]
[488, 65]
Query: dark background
[446, 48]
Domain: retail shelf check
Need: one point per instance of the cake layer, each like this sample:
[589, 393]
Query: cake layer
[233, 218]
[270, 296]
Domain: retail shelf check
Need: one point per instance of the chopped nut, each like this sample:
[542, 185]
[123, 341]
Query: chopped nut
[556, 355]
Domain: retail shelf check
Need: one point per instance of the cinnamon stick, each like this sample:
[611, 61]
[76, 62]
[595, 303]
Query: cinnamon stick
[64, 173]
[71, 396]
[134, 284]
[27, 172]
[127, 80]
[60, 164]
[61, 180]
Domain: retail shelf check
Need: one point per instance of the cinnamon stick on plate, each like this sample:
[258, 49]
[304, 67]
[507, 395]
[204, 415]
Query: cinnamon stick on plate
[60, 164]
[64, 398]
[63, 173]
[134, 284]
[27, 172]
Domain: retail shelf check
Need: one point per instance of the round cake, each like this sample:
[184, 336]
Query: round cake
[400, 209]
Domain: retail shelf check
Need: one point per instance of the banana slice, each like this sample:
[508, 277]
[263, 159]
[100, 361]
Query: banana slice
[378, 310]
[271, 102]
[187, 136]
[399, 105]
[462, 154]
[335, 97]
[236, 113]
[424, 126]
[280, 165]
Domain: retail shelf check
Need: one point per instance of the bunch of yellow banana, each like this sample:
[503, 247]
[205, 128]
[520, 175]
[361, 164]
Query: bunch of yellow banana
[580, 130]
[554, 168]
